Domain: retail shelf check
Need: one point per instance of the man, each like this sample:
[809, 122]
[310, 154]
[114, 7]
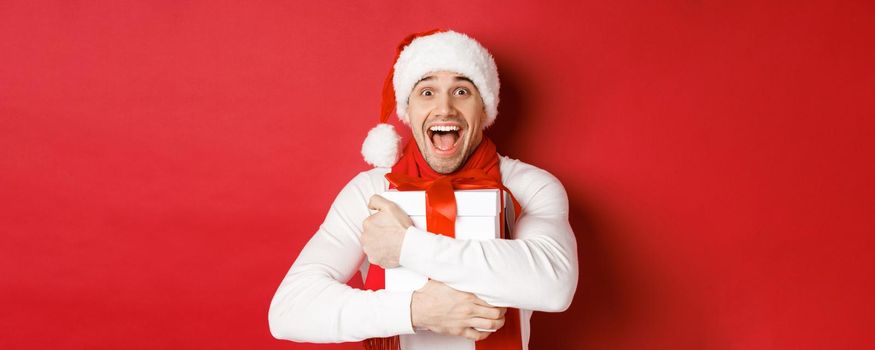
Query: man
[444, 85]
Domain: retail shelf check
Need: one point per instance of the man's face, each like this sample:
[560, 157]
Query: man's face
[446, 116]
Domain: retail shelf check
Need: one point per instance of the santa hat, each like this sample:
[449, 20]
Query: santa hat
[417, 55]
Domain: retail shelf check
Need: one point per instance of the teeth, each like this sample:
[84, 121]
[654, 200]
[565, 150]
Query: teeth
[444, 128]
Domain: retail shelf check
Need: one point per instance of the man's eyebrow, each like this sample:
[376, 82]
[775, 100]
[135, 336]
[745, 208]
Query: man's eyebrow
[430, 77]
[456, 78]
[464, 78]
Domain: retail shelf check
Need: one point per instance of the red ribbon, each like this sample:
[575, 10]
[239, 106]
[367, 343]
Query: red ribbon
[440, 199]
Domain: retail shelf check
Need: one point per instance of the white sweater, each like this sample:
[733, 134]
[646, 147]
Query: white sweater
[535, 271]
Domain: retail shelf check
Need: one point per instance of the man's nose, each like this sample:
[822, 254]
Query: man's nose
[445, 106]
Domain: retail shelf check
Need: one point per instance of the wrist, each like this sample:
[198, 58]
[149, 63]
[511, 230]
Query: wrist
[399, 244]
[414, 320]
[418, 318]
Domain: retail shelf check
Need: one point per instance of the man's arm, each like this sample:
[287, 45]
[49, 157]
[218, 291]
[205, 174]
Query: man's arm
[313, 304]
[537, 270]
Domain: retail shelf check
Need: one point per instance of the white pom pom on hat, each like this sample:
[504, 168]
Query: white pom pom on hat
[417, 55]
[380, 148]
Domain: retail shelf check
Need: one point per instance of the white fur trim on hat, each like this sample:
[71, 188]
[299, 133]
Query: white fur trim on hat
[380, 148]
[446, 51]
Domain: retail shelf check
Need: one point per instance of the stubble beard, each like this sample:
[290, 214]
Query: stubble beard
[443, 165]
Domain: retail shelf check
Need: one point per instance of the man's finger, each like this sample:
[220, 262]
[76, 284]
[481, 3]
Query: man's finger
[377, 202]
[485, 324]
[474, 334]
[479, 301]
[489, 312]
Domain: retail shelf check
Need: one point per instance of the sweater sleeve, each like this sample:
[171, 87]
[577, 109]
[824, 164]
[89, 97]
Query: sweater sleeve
[536, 270]
[313, 303]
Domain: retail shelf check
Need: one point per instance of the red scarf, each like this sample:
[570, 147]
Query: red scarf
[481, 170]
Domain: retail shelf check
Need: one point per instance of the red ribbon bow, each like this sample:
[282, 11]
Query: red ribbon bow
[440, 199]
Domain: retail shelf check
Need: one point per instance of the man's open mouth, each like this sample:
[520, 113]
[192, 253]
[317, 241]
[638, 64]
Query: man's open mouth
[444, 137]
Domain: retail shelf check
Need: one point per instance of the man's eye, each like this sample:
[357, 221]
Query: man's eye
[426, 93]
[461, 91]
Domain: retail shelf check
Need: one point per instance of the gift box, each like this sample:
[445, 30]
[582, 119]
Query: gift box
[478, 216]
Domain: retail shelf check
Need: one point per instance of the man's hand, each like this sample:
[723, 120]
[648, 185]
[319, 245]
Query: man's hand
[383, 232]
[442, 309]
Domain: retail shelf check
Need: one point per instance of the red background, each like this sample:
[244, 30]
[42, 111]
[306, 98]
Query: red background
[162, 163]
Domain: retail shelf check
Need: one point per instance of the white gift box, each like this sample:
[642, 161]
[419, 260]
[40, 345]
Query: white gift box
[478, 215]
